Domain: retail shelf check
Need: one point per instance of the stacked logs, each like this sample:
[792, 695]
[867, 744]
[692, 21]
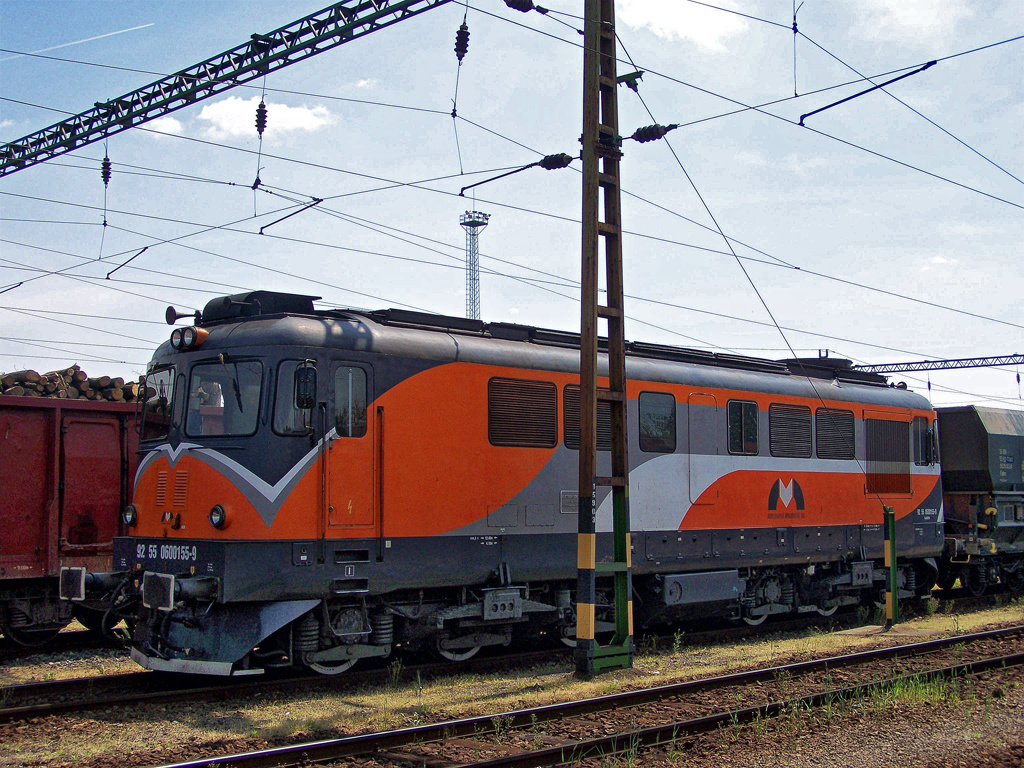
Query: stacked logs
[72, 383]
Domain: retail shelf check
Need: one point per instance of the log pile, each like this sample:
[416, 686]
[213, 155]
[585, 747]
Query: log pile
[72, 383]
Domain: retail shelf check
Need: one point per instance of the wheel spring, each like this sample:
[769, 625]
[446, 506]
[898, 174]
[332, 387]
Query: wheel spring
[911, 585]
[788, 593]
[307, 634]
[18, 618]
[382, 629]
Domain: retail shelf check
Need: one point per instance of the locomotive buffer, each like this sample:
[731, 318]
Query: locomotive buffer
[601, 156]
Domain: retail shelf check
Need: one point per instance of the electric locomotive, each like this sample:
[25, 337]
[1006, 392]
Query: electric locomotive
[317, 487]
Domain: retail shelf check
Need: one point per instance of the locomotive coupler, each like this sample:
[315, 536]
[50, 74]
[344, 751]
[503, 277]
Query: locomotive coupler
[77, 584]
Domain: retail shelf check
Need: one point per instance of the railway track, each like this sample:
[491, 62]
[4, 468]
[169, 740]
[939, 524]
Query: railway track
[55, 697]
[593, 728]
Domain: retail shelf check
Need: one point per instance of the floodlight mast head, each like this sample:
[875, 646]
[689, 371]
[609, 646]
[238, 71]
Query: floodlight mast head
[473, 222]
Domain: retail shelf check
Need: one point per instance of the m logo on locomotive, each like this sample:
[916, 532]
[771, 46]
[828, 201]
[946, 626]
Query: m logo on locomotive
[785, 492]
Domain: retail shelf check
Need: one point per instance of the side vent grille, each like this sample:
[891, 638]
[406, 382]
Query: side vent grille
[180, 489]
[572, 420]
[834, 433]
[789, 430]
[522, 413]
[161, 490]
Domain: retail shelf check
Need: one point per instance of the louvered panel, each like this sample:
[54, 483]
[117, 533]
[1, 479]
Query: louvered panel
[522, 413]
[180, 489]
[834, 433]
[571, 417]
[888, 456]
[789, 430]
[161, 490]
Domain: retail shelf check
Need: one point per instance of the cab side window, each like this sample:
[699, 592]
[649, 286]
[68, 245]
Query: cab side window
[289, 419]
[350, 401]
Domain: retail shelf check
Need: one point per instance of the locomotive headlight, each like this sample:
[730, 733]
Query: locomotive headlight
[130, 515]
[218, 517]
[188, 338]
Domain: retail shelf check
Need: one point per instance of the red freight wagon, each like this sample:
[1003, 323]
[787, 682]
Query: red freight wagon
[66, 471]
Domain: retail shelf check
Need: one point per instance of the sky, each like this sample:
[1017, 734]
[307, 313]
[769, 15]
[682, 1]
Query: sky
[884, 229]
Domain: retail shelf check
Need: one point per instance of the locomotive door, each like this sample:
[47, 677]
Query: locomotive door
[350, 450]
[705, 438]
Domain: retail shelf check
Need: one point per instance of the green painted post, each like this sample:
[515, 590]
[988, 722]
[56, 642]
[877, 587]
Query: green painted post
[892, 602]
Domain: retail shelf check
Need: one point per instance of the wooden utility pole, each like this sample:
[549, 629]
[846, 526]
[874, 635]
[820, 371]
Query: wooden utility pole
[602, 224]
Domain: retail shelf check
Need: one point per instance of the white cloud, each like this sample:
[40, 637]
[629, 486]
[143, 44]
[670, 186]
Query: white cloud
[675, 20]
[166, 125]
[925, 22]
[234, 117]
[943, 263]
[366, 84]
[6, 123]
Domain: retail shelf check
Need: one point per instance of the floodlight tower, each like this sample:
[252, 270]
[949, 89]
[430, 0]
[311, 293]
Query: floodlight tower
[473, 222]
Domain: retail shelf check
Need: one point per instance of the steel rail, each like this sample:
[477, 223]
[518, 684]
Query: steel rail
[147, 681]
[669, 733]
[164, 688]
[364, 744]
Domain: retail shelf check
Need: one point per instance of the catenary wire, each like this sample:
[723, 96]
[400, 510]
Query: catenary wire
[419, 185]
[916, 112]
[414, 184]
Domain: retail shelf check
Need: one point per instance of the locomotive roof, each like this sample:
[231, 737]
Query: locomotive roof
[269, 305]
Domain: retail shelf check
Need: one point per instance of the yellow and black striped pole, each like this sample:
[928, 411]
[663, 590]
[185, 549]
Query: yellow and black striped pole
[892, 602]
[586, 584]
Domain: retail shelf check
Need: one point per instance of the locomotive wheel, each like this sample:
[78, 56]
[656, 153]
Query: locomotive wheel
[827, 611]
[31, 637]
[754, 620]
[972, 579]
[460, 655]
[333, 668]
[1014, 581]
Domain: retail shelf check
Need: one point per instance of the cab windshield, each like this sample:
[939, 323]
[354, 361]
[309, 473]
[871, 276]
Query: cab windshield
[224, 398]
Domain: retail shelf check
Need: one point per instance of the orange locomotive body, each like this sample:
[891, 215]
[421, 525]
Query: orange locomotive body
[317, 487]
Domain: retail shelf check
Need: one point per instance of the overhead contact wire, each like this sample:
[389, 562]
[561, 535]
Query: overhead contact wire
[905, 104]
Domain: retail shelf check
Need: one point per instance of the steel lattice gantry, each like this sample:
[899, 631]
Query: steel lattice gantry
[944, 365]
[313, 34]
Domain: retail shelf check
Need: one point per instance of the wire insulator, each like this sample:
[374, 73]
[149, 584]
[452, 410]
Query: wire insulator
[105, 172]
[555, 162]
[652, 132]
[520, 5]
[462, 42]
[261, 118]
